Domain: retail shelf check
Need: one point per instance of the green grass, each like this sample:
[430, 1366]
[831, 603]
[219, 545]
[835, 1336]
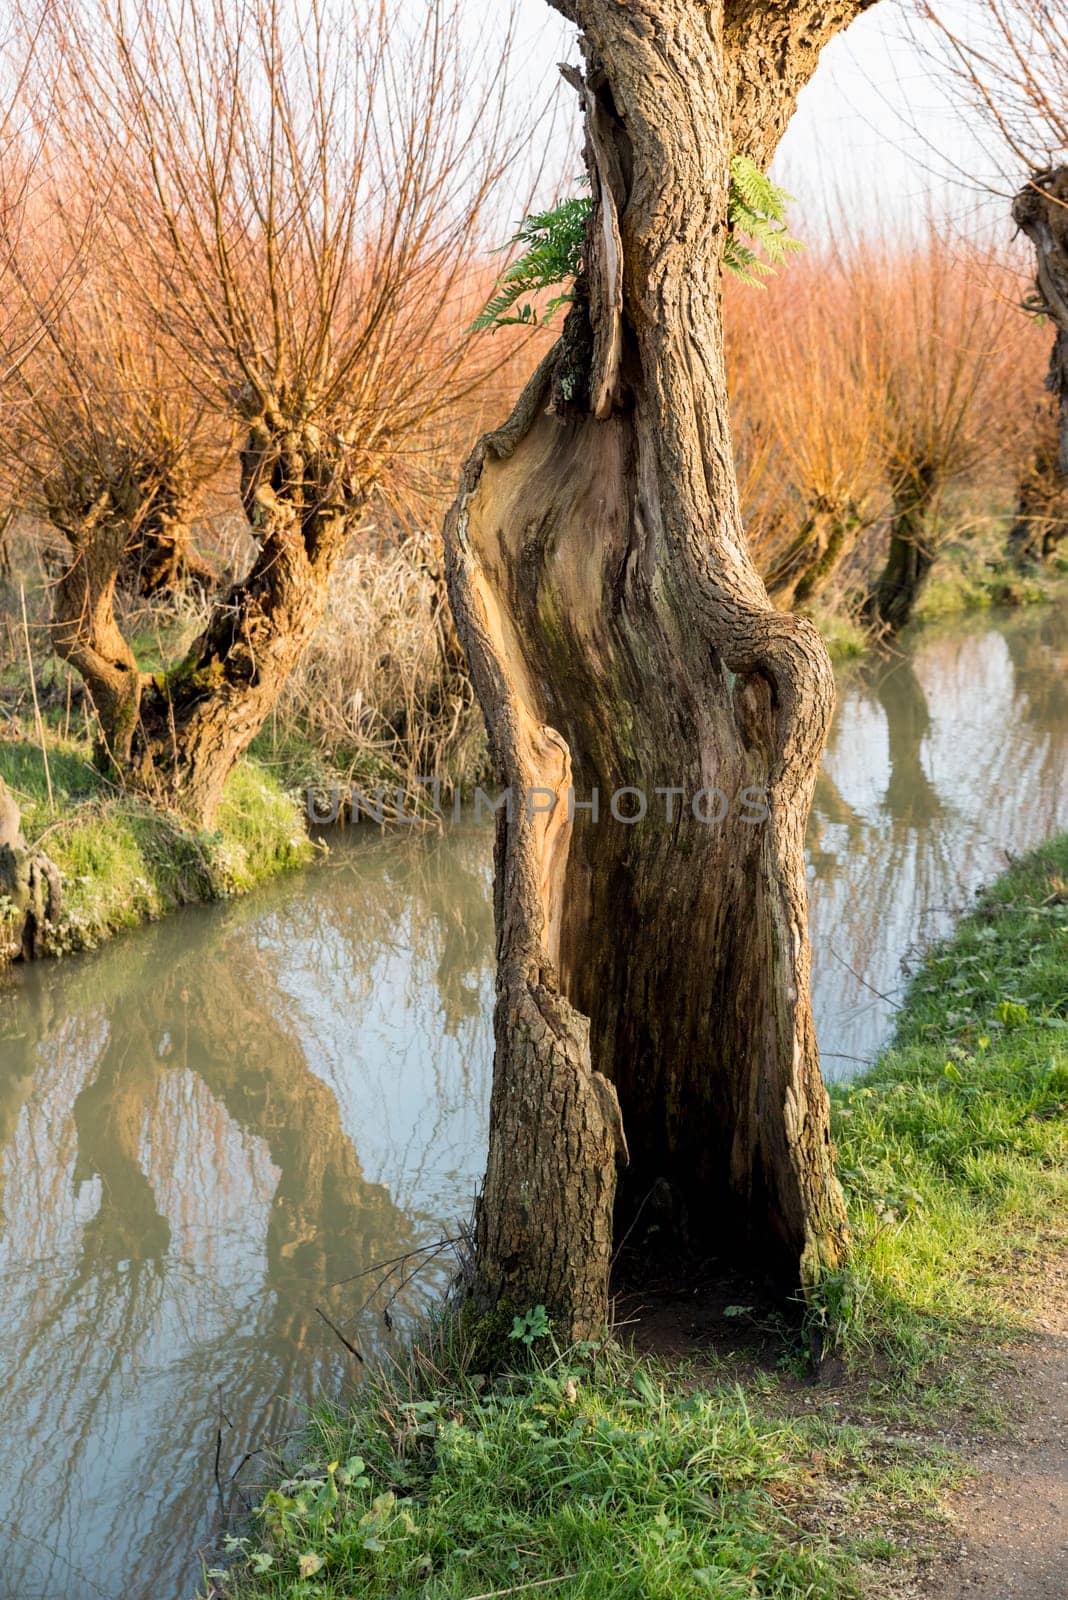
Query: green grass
[608, 1475]
[972, 573]
[845, 637]
[599, 1474]
[954, 1148]
[123, 862]
[950, 590]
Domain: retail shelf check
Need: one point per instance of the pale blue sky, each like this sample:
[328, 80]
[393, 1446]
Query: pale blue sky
[876, 129]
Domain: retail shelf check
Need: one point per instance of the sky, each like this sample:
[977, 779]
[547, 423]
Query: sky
[877, 129]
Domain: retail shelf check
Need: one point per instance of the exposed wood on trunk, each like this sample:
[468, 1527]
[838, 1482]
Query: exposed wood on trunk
[653, 977]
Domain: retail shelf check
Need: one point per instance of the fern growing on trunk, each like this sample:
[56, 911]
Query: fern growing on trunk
[556, 239]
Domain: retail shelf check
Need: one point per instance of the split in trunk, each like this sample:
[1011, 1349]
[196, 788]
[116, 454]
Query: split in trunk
[196, 720]
[653, 976]
[162, 560]
[122, 508]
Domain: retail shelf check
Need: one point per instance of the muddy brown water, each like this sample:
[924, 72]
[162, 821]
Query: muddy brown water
[208, 1128]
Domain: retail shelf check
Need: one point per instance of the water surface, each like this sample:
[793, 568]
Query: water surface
[208, 1128]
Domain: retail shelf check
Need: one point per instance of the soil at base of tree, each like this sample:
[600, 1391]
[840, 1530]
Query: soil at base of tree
[1007, 1530]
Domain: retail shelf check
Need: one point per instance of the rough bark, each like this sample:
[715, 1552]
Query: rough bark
[652, 977]
[30, 891]
[163, 560]
[1040, 210]
[124, 516]
[1041, 520]
[175, 737]
[909, 558]
[85, 632]
[196, 720]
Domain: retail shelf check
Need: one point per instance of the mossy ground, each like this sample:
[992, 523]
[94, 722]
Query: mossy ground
[604, 1473]
[122, 861]
[973, 573]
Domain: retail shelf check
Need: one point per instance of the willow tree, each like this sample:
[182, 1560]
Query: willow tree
[1040, 210]
[1011, 68]
[942, 333]
[30, 889]
[803, 369]
[653, 1015]
[293, 198]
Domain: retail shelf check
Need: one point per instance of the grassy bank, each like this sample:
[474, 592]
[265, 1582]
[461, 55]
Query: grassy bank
[123, 862]
[973, 573]
[602, 1472]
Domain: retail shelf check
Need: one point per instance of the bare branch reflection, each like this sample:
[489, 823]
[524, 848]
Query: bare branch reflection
[181, 1184]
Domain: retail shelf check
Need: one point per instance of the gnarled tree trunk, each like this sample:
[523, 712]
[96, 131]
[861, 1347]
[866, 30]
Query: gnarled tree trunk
[1041, 519]
[196, 720]
[85, 632]
[1040, 210]
[808, 564]
[909, 558]
[163, 560]
[1042, 513]
[653, 977]
[30, 890]
[175, 736]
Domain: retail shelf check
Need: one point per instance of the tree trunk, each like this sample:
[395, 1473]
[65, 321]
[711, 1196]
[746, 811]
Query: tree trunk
[1040, 210]
[197, 720]
[808, 565]
[652, 977]
[1041, 520]
[7, 517]
[163, 561]
[85, 632]
[909, 560]
[175, 736]
[30, 891]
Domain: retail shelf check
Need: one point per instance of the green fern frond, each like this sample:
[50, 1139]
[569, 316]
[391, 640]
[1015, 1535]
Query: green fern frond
[555, 240]
[745, 264]
[755, 191]
[756, 209]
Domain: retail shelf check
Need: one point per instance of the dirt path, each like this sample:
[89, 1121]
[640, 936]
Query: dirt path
[1008, 1533]
[1012, 1517]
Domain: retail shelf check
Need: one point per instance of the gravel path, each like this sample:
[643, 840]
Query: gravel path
[1012, 1517]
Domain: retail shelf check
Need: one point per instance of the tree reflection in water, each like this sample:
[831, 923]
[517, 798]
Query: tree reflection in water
[181, 1187]
[939, 762]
